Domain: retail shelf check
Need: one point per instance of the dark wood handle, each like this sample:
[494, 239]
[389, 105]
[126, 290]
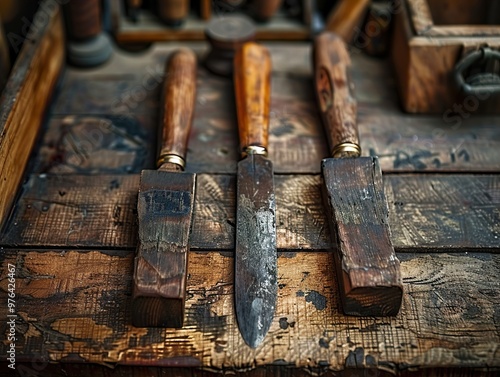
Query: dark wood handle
[173, 12]
[178, 99]
[252, 82]
[83, 18]
[265, 9]
[335, 93]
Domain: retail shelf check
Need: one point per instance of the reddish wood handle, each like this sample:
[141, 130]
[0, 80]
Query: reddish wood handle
[252, 83]
[83, 18]
[173, 11]
[335, 93]
[178, 98]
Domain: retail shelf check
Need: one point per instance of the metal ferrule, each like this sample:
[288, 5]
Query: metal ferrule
[171, 159]
[346, 150]
[254, 149]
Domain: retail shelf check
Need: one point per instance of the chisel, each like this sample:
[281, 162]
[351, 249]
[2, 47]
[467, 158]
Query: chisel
[165, 206]
[367, 267]
[255, 254]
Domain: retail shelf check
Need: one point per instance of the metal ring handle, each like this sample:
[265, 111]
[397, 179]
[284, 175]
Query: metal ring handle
[492, 86]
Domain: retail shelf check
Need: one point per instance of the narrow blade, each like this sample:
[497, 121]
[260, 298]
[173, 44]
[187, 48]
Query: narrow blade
[165, 210]
[256, 256]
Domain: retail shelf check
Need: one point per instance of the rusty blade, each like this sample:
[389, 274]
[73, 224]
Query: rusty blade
[256, 256]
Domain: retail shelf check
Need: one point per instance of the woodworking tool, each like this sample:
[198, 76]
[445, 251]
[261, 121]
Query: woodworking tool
[368, 270]
[173, 12]
[165, 206]
[226, 35]
[88, 45]
[345, 17]
[255, 254]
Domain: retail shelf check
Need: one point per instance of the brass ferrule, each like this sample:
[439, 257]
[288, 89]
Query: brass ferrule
[346, 149]
[254, 149]
[171, 159]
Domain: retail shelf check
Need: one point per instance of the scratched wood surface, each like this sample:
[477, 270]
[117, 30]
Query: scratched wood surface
[452, 213]
[77, 304]
[72, 234]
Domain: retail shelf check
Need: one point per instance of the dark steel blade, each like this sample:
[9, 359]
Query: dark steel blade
[256, 255]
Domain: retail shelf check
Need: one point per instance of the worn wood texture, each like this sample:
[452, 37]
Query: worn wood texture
[425, 55]
[334, 93]
[165, 206]
[353, 192]
[252, 87]
[367, 267]
[24, 101]
[129, 88]
[426, 212]
[77, 304]
[178, 104]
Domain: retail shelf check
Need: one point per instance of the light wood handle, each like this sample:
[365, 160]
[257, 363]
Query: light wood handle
[335, 93]
[178, 99]
[252, 82]
[344, 18]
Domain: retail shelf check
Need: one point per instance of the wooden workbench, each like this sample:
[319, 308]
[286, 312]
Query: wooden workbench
[72, 232]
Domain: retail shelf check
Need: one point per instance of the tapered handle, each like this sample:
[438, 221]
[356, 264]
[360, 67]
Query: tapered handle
[346, 17]
[178, 99]
[252, 82]
[335, 95]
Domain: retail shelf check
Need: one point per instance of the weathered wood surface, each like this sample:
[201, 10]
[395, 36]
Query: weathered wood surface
[77, 304]
[426, 212]
[165, 206]
[81, 194]
[424, 57]
[25, 99]
[128, 89]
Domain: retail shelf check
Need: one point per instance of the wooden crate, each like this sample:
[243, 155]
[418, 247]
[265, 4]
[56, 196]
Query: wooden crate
[70, 225]
[430, 38]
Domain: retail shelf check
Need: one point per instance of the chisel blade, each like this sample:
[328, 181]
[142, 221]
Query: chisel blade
[165, 211]
[256, 256]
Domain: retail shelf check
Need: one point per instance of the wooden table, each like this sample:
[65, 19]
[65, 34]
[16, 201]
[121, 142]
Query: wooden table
[72, 233]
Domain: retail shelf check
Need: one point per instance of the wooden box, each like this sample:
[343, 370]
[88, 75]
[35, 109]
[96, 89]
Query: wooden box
[430, 38]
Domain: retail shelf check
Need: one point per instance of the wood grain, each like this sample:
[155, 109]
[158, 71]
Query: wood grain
[76, 303]
[424, 54]
[367, 267]
[252, 80]
[427, 213]
[129, 87]
[334, 92]
[24, 101]
[178, 102]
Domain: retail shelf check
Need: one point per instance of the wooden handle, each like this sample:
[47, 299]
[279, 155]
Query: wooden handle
[173, 12]
[252, 82]
[335, 95]
[178, 98]
[344, 18]
[265, 9]
[83, 19]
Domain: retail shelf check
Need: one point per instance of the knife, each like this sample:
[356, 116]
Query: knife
[255, 254]
[165, 206]
[367, 267]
